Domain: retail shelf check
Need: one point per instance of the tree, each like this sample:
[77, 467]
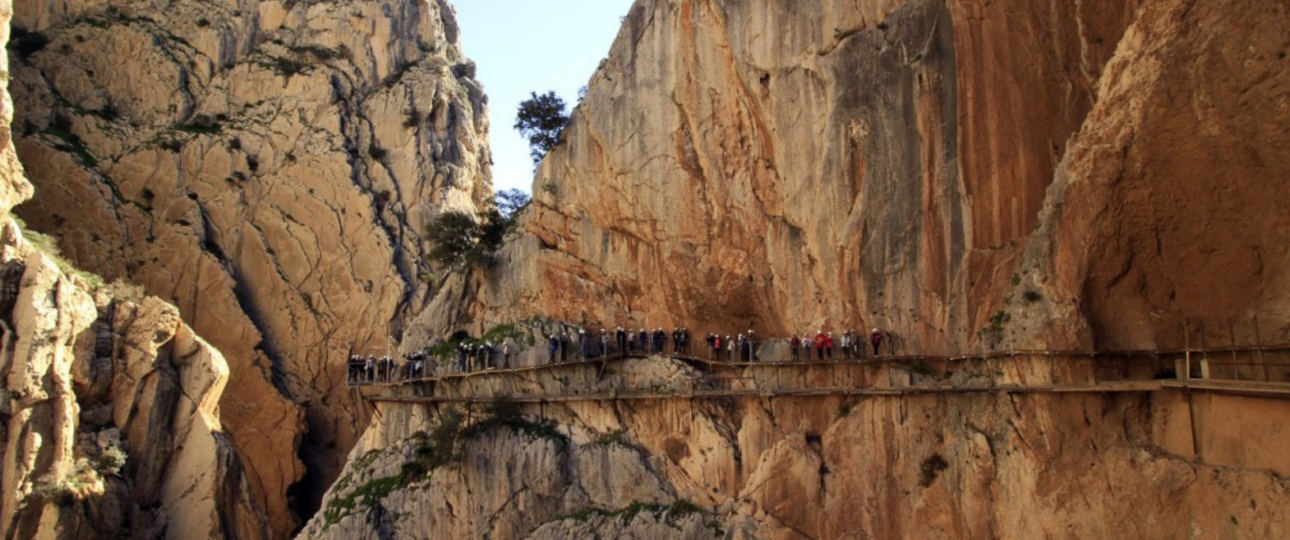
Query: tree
[541, 119]
[510, 201]
[461, 240]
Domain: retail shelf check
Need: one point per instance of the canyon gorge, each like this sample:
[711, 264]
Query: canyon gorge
[969, 176]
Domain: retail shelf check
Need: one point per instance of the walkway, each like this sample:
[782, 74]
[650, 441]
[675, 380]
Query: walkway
[1014, 372]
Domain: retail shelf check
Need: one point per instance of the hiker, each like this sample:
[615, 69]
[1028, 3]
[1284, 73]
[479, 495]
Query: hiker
[730, 349]
[711, 341]
[685, 341]
[819, 345]
[555, 347]
[793, 344]
[875, 338]
[752, 345]
[506, 354]
[604, 343]
[564, 347]
[828, 345]
[676, 341]
[745, 349]
[582, 344]
[620, 338]
[643, 337]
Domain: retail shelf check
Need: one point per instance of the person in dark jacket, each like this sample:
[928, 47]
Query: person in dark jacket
[793, 344]
[554, 344]
[875, 339]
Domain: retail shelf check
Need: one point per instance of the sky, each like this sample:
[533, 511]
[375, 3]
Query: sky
[523, 46]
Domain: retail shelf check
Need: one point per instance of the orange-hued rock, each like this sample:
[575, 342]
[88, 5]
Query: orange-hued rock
[970, 465]
[1171, 202]
[965, 175]
[754, 164]
[267, 167]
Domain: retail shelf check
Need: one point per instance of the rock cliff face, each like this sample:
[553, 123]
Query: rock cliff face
[109, 410]
[987, 465]
[266, 166]
[964, 174]
[903, 164]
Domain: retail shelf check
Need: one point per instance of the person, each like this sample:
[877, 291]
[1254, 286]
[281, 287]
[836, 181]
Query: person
[554, 345]
[564, 347]
[685, 341]
[582, 344]
[793, 344]
[730, 349]
[711, 340]
[620, 339]
[660, 341]
[819, 345]
[643, 338]
[752, 345]
[828, 345]
[604, 343]
[875, 339]
[461, 357]
[486, 350]
[506, 354]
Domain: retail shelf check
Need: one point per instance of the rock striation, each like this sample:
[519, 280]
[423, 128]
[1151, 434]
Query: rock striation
[966, 175]
[267, 167]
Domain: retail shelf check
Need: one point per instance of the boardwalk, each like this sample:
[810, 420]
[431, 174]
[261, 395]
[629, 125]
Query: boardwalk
[1020, 372]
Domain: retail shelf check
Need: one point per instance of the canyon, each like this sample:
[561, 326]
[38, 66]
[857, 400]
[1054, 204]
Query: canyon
[968, 176]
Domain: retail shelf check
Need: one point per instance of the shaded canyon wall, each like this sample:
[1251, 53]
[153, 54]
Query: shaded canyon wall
[267, 166]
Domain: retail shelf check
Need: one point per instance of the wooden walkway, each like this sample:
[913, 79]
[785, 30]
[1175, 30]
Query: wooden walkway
[720, 380]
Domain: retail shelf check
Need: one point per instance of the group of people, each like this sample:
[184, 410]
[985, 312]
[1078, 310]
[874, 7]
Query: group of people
[473, 356]
[483, 356]
[626, 341]
[851, 345]
[385, 368]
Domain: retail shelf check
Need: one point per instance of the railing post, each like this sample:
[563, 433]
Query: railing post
[1185, 374]
[1231, 335]
[1204, 353]
[1258, 344]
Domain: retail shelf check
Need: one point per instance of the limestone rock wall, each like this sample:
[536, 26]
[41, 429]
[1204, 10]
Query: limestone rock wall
[1170, 201]
[903, 164]
[266, 166]
[110, 416]
[983, 465]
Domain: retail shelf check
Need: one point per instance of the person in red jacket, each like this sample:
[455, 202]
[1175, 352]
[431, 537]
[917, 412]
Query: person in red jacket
[875, 339]
[819, 345]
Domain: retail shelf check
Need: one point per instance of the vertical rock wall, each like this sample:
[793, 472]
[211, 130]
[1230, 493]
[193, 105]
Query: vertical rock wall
[871, 164]
[267, 166]
[914, 165]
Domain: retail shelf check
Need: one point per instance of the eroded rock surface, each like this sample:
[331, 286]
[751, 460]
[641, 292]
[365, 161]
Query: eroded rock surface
[111, 414]
[267, 166]
[980, 465]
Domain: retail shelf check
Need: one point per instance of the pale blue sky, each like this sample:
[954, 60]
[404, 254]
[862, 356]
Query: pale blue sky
[523, 46]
